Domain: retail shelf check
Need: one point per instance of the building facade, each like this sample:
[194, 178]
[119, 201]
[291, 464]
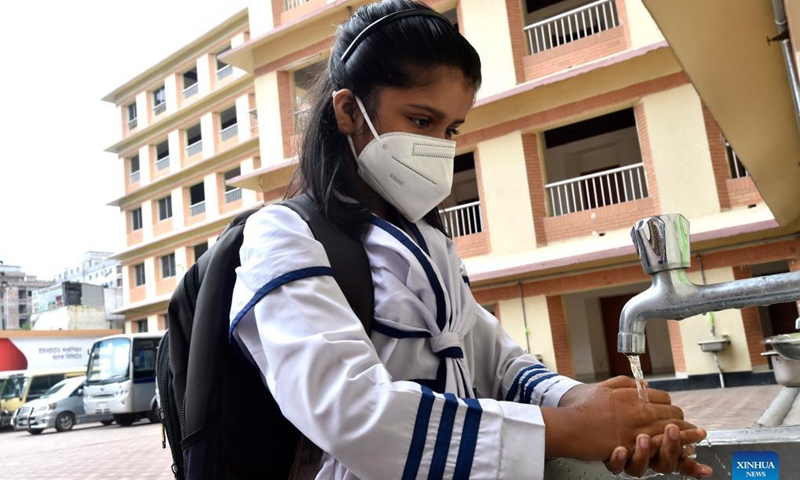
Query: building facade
[95, 268]
[16, 296]
[188, 125]
[585, 123]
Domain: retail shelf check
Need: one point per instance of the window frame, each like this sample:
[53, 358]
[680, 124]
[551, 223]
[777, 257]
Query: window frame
[136, 218]
[165, 208]
[168, 266]
[139, 267]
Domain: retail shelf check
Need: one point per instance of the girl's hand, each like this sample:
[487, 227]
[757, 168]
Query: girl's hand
[663, 453]
[594, 421]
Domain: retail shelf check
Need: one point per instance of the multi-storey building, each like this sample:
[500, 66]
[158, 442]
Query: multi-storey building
[187, 127]
[585, 123]
[16, 291]
[95, 268]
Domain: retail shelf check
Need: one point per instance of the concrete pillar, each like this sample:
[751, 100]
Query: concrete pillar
[486, 25]
[680, 151]
[506, 194]
[269, 119]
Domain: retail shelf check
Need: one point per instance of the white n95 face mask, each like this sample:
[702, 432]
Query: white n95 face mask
[414, 173]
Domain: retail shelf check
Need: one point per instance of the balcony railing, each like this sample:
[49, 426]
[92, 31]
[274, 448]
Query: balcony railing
[132, 123]
[197, 208]
[229, 132]
[579, 23]
[233, 195]
[134, 176]
[160, 108]
[290, 4]
[162, 163]
[601, 189]
[463, 219]
[224, 72]
[737, 169]
[190, 90]
[194, 148]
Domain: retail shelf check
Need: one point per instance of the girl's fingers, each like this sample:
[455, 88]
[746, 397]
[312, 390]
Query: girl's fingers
[690, 468]
[638, 464]
[616, 463]
[669, 452]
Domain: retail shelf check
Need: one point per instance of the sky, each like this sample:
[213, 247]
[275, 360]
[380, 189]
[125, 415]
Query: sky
[61, 58]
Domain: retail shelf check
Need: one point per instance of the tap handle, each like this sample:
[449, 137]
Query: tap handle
[662, 242]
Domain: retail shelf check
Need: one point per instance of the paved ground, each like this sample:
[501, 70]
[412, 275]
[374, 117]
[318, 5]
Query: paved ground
[89, 452]
[725, 408]
[134, 453]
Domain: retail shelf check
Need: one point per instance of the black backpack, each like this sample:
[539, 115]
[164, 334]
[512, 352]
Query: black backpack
[218, 416]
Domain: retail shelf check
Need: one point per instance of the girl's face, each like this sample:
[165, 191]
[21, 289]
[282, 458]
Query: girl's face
[435, 110]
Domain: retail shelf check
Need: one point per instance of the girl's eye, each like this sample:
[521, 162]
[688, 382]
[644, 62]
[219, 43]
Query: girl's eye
[452, 132]
[421, 122]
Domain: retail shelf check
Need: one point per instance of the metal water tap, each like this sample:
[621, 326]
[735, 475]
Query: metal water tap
[662, 243]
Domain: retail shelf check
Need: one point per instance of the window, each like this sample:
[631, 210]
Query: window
[22, 309]
[134, 163]
[41, 384]
[168, 266]
[194, 140]
[232, 174]
[162, 155]
[200, 249]
[223, 69]
[232, 193]
[138, 274]
[197, 194]
[227, 124]
[144, 357]
[190, 83]
[304, 80]
[165, 208]
[132, 116]
[140, 325]
[159, 98]
[136, 219]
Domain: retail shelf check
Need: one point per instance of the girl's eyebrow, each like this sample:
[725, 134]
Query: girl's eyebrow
[435, 112]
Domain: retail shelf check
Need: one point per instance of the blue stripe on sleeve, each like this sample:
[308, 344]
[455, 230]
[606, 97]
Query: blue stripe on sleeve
[438, 292]
[275, 283]
[469, 438]
[420, 433]
[529, 389]
[518, 380]
[442, 446]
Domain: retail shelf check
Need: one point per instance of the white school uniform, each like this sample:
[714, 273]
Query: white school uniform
[370, 402]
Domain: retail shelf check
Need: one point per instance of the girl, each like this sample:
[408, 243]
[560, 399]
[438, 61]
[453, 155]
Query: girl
[438, 390]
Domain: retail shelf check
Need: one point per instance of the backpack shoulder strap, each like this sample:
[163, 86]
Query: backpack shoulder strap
[347, 257]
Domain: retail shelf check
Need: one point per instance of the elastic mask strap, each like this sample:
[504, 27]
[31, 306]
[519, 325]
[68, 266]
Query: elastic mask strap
[366, 117]
[369, 123]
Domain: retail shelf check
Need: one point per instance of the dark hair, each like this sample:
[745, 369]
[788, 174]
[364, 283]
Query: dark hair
[397, 54]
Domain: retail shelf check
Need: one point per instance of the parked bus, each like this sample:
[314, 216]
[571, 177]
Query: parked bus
[121, 378]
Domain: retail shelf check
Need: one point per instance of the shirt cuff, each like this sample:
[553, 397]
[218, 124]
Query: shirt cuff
[522, 442]
[556, 390]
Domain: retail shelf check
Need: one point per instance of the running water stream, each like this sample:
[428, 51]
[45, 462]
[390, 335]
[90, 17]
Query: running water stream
[641, 387]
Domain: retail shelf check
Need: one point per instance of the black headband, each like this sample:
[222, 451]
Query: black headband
[384, 20]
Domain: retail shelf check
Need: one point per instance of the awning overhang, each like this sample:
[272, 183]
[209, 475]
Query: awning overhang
[742, 79]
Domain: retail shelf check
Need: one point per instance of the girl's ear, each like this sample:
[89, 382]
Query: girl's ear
[348, 116]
